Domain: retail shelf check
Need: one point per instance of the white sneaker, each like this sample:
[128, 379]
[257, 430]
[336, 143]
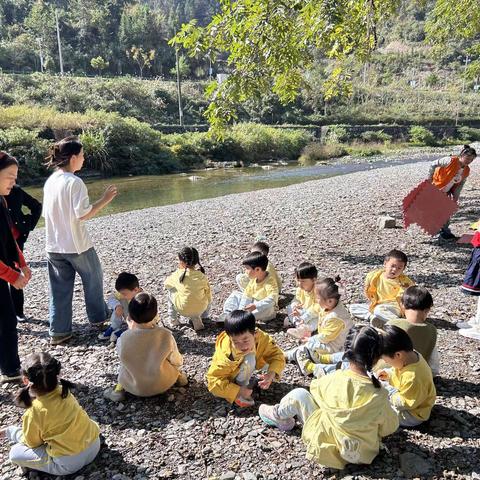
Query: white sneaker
[468, 324]
[114, 396]
[470, 333]
[197, 323]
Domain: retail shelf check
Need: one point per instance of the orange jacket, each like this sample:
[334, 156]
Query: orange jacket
[444, 175]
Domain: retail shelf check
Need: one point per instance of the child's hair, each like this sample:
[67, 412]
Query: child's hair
[7, 160]
[189, 256]
[239, 321]
[363, 346]
[42, 371]
[397, 255]
[417, 298]
[469, 151]
[143, 308]
[256, 259]
[306, 270]
[395, 340]
[126, 281]
[328, 288]
[261, 247]
[61, 152]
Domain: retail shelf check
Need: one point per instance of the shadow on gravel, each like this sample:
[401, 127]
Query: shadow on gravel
[444, 280]
[442, 324]
[452, 387]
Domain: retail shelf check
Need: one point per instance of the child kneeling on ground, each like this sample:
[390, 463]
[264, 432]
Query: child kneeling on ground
[409, 382]
[260, 296]
[126, 286]
[302, 313]
[384, 288]
[346, 414]
[239, 351]
[334, 322]
[149, 358]
[57, 436]
[189, 293]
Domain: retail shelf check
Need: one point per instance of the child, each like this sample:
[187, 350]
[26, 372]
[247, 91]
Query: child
[242, 279]
[149, 358]
[57, 436]
[449, 175]
[346, 414]
[334, 322]
[303, 311]
[384, 288]
[127, 287]
[188, 289]
[417, 302]
[239, 351]
[409, 382]
[260, 296]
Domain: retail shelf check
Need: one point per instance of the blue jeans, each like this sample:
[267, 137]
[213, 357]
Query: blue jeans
[62, 268]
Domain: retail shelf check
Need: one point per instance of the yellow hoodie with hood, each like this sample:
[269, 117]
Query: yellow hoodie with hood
[226, 363]
[351, 419]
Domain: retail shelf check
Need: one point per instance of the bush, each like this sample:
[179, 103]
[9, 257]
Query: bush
[317, 152]
[360, 150]
[337, 134]
[371, 136]
[421, 136]
[468, 134]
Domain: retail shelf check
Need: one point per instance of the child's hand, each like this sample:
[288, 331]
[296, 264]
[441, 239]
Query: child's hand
[119, 311]
[383, 376]
[245, 392]
[250, 308]
[266, 380]
[296, 312]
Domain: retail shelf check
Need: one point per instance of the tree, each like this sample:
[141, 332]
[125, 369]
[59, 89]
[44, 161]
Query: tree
[270, 44]
[141, 57]
[98, 63]
[183, 67]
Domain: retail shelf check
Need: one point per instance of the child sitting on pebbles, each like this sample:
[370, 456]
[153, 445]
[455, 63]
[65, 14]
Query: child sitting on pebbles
[384, 289]
[260, 296]
[242, 279]
[239, 351]
[302, 313]
[149, 358]
[189, 293]
[126, 286]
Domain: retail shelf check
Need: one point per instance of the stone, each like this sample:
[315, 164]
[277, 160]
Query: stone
[386, 221]
[249, 476]
[228, 475]
[414, 465]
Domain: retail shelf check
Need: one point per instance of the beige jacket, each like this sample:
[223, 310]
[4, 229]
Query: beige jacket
[149, 361]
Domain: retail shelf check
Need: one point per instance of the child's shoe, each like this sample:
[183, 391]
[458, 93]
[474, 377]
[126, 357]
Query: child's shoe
[300, 332]
[182, 380]
[468, 324]
[376, 322]
[106, 334]
[302, 359]
[116, 335]
[115, 395]
[244, 402]
[197, 323]
[269, 415]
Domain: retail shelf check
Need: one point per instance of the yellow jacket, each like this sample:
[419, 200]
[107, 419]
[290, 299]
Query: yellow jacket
[307, 299]
[60, 423]
[267, 289]
[192, 296]
[224, 369]
[351, 419]
[273, 272]
[397, 287]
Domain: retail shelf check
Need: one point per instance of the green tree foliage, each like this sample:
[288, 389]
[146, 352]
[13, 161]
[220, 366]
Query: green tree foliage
[98, 63]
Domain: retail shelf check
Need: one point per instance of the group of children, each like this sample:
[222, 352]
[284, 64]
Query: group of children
[369, 379]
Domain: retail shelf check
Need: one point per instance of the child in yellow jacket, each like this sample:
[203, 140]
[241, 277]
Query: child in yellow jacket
[409, 381]
[334, 322]
[239, 351]
[260, 296]
[384, 289]
[189, 293]
[242, 279]
[57, 436]
[346, 414]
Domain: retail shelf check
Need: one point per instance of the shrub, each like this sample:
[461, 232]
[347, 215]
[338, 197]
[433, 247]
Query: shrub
[337, 134]
[421, 136]
[371, 136]
[96, 151]
[360, 150]
[315, 152]
[468, 134]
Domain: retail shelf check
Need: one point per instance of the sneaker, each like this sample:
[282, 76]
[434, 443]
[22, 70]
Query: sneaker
[269, 415]
[115, 335]
[377, 323]
[13, 378]
[470, 333]
[197, 323]
[299, 332]
[301, 359]
[106, 334]
[468, 324]
[59, 339]
[244, 402]
[182, 380]
[114, 395]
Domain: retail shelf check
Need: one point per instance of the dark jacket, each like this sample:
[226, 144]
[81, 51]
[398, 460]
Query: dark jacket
[24, 223]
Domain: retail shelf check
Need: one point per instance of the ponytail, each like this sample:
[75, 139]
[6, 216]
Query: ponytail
[189, 256]
[61, 152]
[468, 151]
[23, 399]
[328, 288]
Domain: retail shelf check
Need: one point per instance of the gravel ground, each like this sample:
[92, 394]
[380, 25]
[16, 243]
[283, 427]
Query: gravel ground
[187, 433]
